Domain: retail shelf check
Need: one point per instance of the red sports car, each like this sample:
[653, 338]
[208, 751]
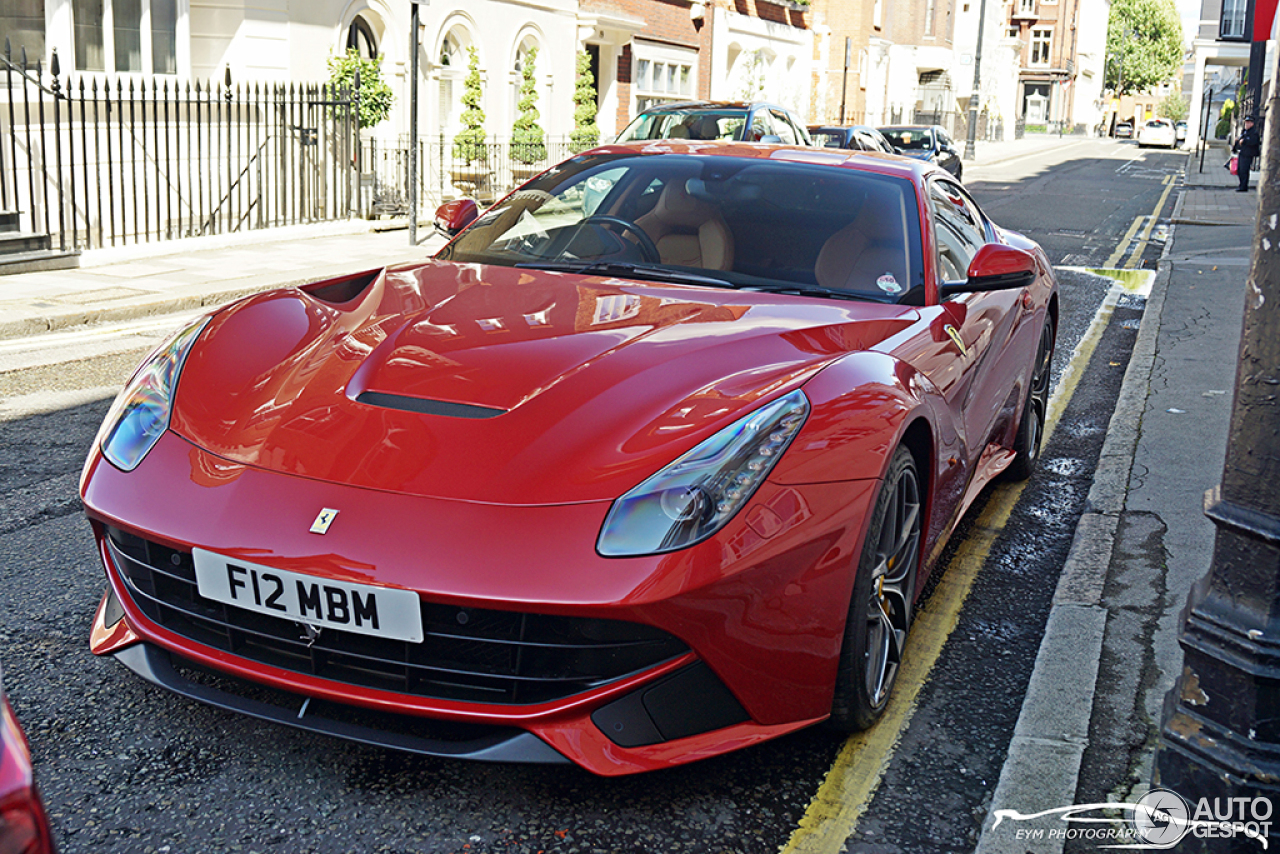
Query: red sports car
[650, 463]
[24, 827]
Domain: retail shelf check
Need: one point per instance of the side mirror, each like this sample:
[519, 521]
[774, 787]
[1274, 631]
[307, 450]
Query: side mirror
[452, 217]
[996, 267]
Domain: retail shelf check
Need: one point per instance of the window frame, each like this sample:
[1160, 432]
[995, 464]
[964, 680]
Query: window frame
[1040, 37]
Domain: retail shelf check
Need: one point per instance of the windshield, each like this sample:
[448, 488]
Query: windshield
[699, 123]
[731, 221]
[909, 139]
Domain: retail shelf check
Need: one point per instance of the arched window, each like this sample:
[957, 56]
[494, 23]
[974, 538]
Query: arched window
[360, 36]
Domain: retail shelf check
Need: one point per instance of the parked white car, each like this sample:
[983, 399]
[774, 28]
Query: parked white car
[1158, 132]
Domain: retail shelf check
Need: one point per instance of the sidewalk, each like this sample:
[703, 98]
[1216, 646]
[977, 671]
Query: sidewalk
[1091, 718]
[138, 281]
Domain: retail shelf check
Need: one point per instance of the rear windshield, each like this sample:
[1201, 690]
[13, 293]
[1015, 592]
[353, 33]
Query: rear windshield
[909, 139]
[743, 221]
[699, 124]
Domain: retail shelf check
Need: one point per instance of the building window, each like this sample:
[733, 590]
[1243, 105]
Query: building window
[1027, 7]
[113, 30]
[360, 36]
[877, 14]
[928, 17]
[662, 75]
[1041, 38]
[1233, 19]
[22, 22]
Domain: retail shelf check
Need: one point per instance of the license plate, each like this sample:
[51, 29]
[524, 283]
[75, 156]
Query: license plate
[384, 612]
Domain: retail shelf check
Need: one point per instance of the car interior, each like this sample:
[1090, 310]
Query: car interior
[750, 223]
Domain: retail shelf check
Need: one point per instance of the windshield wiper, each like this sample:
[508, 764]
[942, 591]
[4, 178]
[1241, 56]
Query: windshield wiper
[647, 272]
[809, 291]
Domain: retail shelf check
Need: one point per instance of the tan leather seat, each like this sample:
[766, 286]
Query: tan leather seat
[869, 255]
[688, 231]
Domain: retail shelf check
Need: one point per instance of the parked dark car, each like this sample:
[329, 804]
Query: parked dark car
[926, 142]
[855, 137]
[743, 121]
[1124, 130]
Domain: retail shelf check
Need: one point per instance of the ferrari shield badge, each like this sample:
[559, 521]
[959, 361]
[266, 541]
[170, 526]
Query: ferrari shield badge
[323, 521]
[951, 331]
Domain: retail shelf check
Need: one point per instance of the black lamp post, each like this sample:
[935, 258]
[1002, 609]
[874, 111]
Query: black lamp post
[1220, 736]
[970, 148]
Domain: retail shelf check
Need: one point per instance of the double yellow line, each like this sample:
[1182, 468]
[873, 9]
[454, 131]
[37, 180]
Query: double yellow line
[1123, 247]
[858, 768]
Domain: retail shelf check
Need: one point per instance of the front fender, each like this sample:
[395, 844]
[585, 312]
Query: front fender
[861, 407]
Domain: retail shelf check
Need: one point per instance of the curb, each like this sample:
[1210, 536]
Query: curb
[1042, 769]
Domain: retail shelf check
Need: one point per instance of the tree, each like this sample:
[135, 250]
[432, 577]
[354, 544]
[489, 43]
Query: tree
[469, 144]
[1144, 44]
[527, 144]
[1174, 107]
[585, 133]
[375, 95]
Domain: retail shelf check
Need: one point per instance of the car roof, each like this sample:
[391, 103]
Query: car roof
[710, 105]
[867, 161]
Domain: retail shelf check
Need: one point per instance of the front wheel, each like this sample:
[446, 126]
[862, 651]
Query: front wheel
[1036, 410]
[883, 596]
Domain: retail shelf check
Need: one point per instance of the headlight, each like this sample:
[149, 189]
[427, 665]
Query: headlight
[140, 413]
[699, 493]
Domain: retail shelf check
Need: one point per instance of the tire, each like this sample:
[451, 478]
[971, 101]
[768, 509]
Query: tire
[1031, 428]
[880, 609]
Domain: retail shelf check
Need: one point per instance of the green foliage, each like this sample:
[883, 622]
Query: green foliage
[1223, 127]
[469, 144]
[1174, 107]
[527, 139]
[1144, 44]
[585, 133]
[375, 95]
[752, 88]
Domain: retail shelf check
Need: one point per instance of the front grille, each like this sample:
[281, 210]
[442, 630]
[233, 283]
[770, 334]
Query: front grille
[468, 654]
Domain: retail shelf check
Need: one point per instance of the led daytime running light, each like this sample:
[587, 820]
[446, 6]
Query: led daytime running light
[140, 414]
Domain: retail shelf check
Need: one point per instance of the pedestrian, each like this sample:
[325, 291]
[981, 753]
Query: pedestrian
[1247, 148]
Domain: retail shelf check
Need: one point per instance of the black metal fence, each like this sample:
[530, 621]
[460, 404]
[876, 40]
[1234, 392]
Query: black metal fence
[94, 162]
[484, 172]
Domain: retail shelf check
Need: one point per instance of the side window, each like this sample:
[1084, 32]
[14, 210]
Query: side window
[760, 126]
[958, 229]
[783, 129]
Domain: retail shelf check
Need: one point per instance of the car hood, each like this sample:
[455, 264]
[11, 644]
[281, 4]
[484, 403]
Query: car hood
[497, 384]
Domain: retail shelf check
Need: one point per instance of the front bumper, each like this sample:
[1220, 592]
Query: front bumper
[759, 609]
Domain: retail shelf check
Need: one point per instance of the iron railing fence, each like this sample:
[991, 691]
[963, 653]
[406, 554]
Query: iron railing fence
[94, 162]
[485, 172]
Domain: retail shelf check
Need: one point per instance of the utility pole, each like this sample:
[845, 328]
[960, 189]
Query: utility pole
[844, 81]
[412, 189]
[970, 147]
[1220, 737]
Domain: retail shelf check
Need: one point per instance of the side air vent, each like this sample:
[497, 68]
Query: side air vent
[427, 407]
[343, 289]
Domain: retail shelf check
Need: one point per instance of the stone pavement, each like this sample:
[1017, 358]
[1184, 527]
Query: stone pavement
[1091, 719]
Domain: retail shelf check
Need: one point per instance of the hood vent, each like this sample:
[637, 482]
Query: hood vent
[427, 407]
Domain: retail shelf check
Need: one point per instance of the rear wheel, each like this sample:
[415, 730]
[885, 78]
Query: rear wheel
[883, 594]
[1031, 428]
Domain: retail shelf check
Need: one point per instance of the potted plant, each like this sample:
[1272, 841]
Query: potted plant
[470, 154]
[528, 146]
[585, 133]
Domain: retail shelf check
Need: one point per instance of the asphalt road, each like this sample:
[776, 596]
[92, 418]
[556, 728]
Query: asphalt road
[128, 768]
